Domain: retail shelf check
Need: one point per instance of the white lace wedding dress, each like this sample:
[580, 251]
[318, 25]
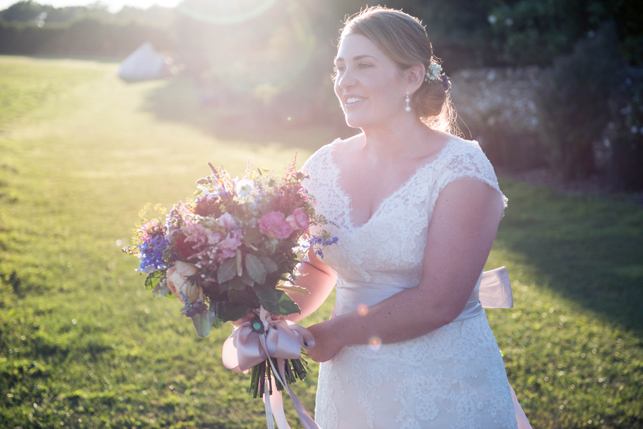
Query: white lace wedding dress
[453, 377]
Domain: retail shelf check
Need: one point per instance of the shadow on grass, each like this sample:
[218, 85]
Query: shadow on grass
[588, 249]
[229, 115]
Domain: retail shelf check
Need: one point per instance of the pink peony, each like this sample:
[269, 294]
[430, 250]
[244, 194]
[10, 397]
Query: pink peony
[274, 225]
[214, 238]
[228, 245]
[298, 219]
[227, 221]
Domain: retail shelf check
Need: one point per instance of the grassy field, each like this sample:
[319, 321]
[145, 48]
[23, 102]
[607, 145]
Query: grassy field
[82, 344]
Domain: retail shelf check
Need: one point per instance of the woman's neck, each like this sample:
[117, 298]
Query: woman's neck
[407, 139]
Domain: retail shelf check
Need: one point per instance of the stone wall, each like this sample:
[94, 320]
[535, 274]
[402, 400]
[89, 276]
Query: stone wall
[497, 107]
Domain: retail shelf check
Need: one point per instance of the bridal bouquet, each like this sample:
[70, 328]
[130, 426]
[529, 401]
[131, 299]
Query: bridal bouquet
[231, 253]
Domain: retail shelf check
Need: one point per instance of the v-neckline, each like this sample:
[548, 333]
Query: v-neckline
[349, 200]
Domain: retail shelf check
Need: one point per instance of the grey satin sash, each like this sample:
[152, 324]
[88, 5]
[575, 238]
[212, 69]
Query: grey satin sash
[493, 290]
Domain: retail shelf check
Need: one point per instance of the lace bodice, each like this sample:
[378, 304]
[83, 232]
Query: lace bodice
[394, 238]
[452, 377]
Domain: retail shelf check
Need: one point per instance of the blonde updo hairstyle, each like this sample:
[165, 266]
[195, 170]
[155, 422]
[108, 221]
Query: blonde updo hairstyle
[403, 39]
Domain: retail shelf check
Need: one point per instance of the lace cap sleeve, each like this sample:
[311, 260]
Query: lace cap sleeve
[469, 161]
[315, 166]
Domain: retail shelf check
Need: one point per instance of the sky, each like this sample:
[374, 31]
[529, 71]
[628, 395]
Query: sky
[113, 5]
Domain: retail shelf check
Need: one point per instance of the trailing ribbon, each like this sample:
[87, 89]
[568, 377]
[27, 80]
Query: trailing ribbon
[281, 340]
[495, 292]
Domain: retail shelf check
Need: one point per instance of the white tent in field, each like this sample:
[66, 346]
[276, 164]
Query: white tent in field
[144, 64]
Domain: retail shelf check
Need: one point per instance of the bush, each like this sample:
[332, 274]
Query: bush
[537, 31]
[625, 132]
[573, 102]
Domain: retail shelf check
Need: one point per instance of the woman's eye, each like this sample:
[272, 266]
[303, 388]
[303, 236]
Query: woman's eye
[364, 65]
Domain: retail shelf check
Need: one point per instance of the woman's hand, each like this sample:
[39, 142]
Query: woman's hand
[327, 342]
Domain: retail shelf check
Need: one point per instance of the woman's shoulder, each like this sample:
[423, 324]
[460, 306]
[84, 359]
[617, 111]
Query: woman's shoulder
[324, 154]
[466, 159]
[466, 154]
[462, 146]
[321, 157]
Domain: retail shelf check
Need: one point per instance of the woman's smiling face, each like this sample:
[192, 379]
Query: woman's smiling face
[369, 84]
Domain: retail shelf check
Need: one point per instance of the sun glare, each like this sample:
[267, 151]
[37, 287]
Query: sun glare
[253, 46]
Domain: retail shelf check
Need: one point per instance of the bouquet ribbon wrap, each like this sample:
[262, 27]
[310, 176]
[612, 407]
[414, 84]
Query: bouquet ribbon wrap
[281, 340]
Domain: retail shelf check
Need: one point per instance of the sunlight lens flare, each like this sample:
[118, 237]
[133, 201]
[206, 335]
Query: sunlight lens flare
[375, 343]
[362, 309]
[256, 47]
[224, 12]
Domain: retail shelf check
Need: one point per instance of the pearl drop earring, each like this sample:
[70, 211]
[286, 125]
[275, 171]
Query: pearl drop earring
[408, 101]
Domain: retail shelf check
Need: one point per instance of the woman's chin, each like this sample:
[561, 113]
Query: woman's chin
[356, 121]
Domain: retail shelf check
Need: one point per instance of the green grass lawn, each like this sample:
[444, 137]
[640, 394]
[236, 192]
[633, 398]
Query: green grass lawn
[82, 344]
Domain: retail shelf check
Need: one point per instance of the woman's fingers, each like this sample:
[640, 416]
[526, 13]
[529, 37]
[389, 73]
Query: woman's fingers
[325, 346]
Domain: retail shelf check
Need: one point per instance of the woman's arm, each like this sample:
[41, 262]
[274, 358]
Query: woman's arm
[463, 227]
[319, 279]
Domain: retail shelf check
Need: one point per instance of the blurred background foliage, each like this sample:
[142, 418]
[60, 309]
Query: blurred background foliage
[540, 83]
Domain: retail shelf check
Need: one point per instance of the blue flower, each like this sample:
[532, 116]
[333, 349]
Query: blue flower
[151, 254]
[318, 241]
[193, 308]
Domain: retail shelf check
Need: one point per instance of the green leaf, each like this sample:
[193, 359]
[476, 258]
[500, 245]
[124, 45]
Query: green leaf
[255, 268]
[213, 314]
[237, 297]
[246, 279]
[235, 312]
[235, 284]
[268, 264]
[202, 323]
[287, 305]
[227, 270]
[160, 289]
[152, 280]
[276, 301]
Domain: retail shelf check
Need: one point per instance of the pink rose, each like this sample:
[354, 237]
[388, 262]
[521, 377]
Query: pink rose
[177, 281]
[274, 225]
[298, 220]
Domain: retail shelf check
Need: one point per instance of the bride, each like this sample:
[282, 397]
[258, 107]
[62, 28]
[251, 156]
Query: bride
[416, 210]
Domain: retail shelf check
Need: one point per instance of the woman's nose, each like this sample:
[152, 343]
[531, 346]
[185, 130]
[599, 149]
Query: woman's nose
[346, 79]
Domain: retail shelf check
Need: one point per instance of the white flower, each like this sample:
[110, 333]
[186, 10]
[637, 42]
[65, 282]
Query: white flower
[178, 280]
[434, 71]
[244, 188]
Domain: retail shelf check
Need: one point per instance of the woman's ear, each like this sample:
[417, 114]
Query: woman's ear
[415, 76]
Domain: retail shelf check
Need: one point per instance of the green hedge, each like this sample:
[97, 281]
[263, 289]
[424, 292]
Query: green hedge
[84, 37]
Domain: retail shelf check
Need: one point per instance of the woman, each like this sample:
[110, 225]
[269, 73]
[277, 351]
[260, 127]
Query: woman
[416, 210]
